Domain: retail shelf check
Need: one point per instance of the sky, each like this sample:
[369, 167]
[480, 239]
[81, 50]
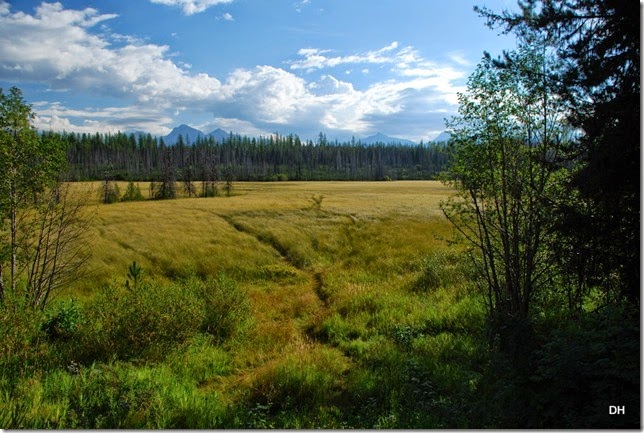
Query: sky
[348, 68]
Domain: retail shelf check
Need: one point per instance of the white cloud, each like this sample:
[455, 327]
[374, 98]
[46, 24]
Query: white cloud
[266, 94]
[228, 17]
[191, 7]
[4, 8]
[62, 50]
[458, 58]
[316, 59]
[269, 96]
[299, 4]
[413, 75]
[56, 117]
[56, 47]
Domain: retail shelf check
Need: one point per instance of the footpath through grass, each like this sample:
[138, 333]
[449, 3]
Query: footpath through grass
[297, 305]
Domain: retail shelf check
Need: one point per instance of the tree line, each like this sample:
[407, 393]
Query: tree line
[277, 157]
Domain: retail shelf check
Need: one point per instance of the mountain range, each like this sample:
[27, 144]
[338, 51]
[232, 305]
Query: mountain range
[190, 135]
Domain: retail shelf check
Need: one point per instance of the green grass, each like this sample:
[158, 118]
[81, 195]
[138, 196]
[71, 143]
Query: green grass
[261, 310]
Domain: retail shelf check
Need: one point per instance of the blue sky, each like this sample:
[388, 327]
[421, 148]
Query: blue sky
[343, 67]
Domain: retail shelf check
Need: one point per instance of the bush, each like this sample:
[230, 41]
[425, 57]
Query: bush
[154, 318]
[105, 397]
[433, 274]
[132, 193]
[116, 395]
[579, 369]
[588, 366]
[63, 320]
[109, 192]
[143, 323]
[23, 348]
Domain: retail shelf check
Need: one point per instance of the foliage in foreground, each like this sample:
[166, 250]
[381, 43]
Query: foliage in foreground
[382, 352]
[402, 376]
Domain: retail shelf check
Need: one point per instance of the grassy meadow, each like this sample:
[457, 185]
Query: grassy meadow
[297, 305]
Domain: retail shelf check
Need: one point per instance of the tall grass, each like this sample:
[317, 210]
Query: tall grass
[352, 313]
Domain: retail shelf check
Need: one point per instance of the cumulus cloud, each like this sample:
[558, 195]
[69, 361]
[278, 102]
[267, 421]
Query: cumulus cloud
[271, 96]
[413, 77]
[191, 7]
[266, 93]
[56, 47]
[62, 50]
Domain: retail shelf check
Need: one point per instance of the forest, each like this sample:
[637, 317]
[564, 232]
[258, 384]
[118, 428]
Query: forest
[503, 292]
[143, 157]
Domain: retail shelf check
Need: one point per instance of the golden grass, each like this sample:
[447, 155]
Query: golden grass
[352, 259]
[179, 237]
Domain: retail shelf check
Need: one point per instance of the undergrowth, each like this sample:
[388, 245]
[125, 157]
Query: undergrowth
[354, 314]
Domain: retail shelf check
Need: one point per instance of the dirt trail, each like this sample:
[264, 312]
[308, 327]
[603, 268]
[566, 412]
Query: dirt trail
[316, 278]
[294, 309]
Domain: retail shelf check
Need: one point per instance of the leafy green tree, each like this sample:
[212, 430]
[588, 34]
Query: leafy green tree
[27, 169]
[39, 221]
[509, 132]
[599, 42]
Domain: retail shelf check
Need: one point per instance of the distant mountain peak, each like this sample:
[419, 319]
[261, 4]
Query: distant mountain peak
[442, 137]
[188, 133]
[382, 138]
[219, 135]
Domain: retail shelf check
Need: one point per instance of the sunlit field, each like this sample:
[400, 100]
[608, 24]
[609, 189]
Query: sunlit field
[358, 311]
[207, 236]
[459, 247]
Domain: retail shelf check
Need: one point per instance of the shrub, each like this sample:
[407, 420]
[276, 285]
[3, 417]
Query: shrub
[105, 396]
[432, 275]
[23, 348]
[209, 188]
[576, 371]
[63, 320]
[109, 192]
[132, 193]
[588, 366]
[147, 322]
[142, 323]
